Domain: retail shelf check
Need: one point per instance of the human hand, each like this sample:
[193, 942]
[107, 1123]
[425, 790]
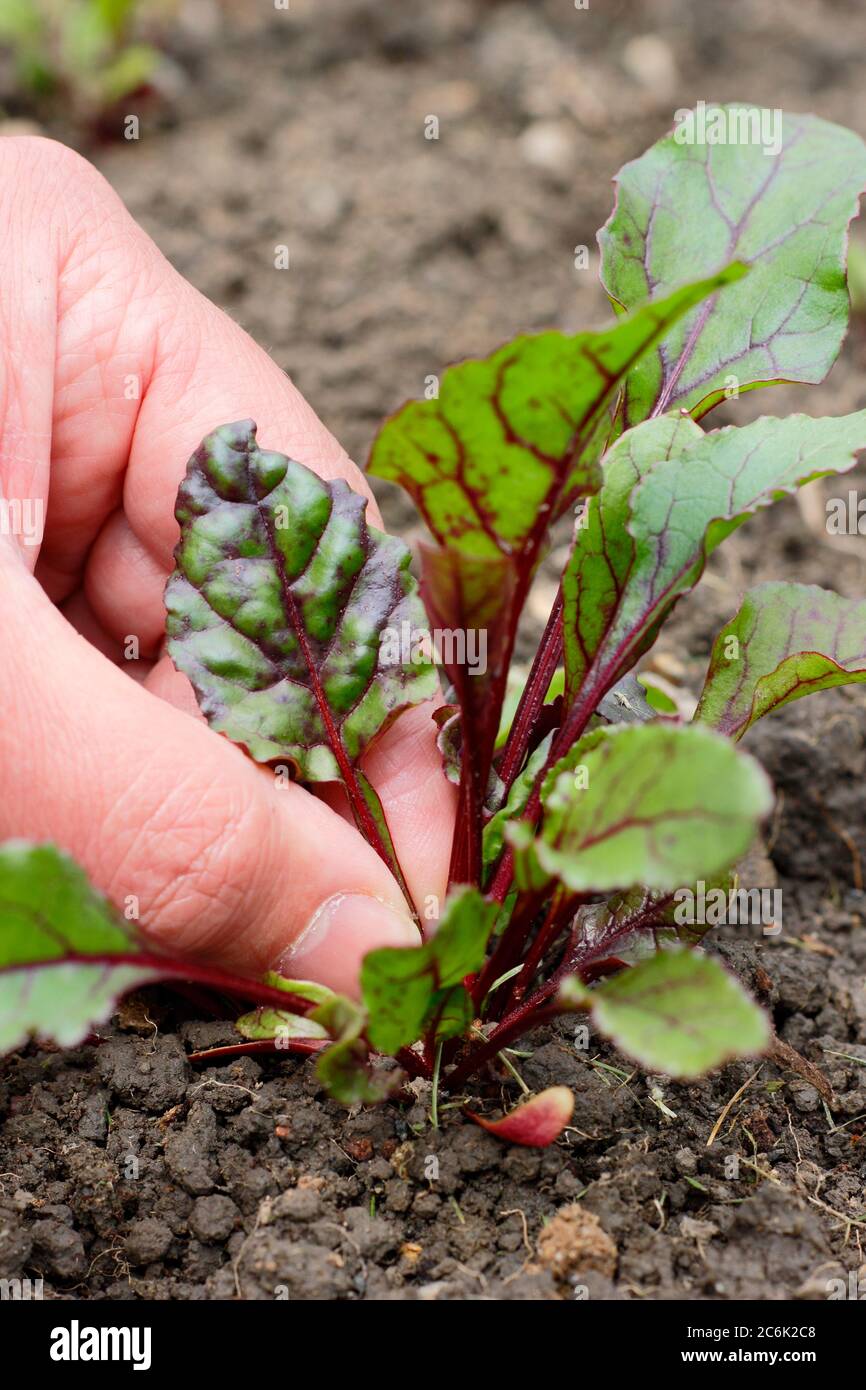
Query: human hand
[113, 369]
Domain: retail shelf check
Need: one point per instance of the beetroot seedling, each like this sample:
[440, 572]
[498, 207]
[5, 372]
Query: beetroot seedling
[585, 811]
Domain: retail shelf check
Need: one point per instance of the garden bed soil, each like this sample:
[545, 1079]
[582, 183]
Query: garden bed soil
[126, 1172]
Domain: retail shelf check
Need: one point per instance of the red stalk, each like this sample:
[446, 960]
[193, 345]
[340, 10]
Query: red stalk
[520, 1021]
[547, 934]
[170, 968]
[572, 729]
[506, 953]
[360, 810]
[304, 1047]
[546, 660]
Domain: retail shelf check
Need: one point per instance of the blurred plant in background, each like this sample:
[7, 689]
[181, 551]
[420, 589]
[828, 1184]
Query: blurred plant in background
[91, 53]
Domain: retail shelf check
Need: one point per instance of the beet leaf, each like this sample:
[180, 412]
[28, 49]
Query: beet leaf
[408, 989]
[630, 806]
[787, 641]
[692, 205]
[277, 612]
[679, 1013]
[671, 495]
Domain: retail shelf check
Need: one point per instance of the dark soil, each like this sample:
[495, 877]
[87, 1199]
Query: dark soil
[125, 1171]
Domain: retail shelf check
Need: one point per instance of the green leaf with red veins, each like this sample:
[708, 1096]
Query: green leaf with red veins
[599, 568]
[679, 1013]
[66, 957]
[497, 455]
[507, 445]
[406, 988]
[51, 921]
[286, 609]
[787, 641]
[648, 804]
[638, 553]
[345, 1068]
[702, 205]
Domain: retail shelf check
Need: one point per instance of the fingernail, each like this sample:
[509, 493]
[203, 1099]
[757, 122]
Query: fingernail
[338, 936]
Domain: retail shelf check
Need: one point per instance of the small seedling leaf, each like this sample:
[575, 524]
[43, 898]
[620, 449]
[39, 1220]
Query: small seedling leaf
[405, 987]
[649, 804]
[787, 641]
[680, 1013]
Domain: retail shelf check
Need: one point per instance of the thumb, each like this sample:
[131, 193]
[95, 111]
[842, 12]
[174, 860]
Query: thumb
[221, 860]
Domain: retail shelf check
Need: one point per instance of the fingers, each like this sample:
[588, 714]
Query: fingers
[141, 367]
[405, 767]
[214, 856]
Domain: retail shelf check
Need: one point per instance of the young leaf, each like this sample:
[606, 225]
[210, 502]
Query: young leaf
[301, 989]
[679, 1013]
[51, 921]
[449, 740]
[66, 957]
[626, 703]
[268, 1022]
[498, 454]
[599, 567]
[536, 1122]
[504, 449]
[405, 987]
[631, 925]
[515, 688]
[344, 1067]
[786, 641]
[646, 804]
[286, 609]
[620, 584]
[518, 796]
[701, 205]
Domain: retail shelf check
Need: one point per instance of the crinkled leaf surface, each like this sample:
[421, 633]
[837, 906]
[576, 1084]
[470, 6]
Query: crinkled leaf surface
[278, 605]
[698, 206]
[51, 922]
[787, 641]
[647, 538]
[405, 988]
[646, 804]
[497, 455]
[679, 1013]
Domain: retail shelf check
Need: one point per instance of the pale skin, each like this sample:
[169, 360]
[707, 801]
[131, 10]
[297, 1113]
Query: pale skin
[110, 758]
